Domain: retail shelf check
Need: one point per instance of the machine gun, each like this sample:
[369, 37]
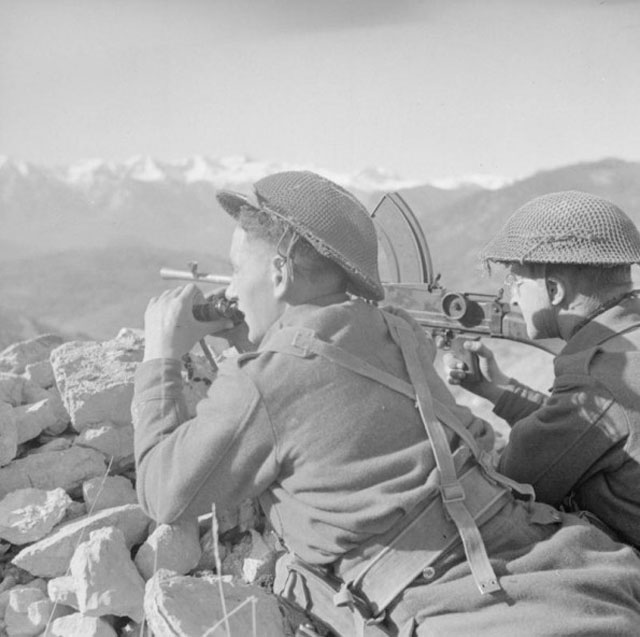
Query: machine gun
[411, 283]
[450, 317]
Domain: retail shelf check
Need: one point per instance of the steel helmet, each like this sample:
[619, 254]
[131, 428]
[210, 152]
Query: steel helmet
[331, 219]
[566, 227]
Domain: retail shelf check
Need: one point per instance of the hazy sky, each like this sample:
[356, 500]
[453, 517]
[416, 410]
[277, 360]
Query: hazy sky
[424, 88]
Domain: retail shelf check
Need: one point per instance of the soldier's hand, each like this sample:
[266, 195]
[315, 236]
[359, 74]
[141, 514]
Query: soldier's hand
[489, 383]
[170, 327]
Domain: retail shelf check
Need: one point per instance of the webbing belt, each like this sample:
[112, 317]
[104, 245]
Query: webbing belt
[452, 491]
[417, 546]
[315, 592]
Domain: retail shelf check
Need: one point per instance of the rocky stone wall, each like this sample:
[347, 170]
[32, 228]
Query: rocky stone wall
[78, 556]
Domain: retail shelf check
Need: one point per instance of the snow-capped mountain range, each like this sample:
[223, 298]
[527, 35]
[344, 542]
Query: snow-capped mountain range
[228, 172]
[94, 203]
[81, 246]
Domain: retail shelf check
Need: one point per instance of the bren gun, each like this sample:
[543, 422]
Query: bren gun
[450, 317]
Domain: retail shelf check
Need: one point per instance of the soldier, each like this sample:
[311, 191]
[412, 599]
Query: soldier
[569, 256]
[375, 480]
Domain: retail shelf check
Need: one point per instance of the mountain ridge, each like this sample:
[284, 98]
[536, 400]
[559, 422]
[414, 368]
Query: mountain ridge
[77, 265]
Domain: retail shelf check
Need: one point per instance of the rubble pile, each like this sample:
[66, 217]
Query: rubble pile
[78, 556]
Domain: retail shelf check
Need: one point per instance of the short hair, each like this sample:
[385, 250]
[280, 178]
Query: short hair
[259, 224]
[597, 277]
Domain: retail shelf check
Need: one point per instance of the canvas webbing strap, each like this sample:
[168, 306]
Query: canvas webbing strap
[303, 342]
[416, 547]
[313, 591]
[453, 494]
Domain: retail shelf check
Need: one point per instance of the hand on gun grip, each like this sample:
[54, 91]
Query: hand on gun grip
[473, 366]
[464, 351]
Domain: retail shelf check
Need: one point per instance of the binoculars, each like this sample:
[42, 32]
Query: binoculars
[216, 308]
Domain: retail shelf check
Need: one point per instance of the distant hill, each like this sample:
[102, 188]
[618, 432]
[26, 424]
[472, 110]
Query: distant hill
[458, 225]
[100, 204]
[95, 292]
[81, 245]
[15, 327]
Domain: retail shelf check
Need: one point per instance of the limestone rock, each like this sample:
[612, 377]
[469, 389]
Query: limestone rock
[106, 580]
[67, 469]
[108, 492]
[131, 337]
[11, 386]
[29, 610]
[4, 602]
[27, 515]
[113, 441]
[21, 597]
[8, 582]
[62, 590]
[33, 419]
[16, 357]
[50, 556]
[209, 544]
[259, 566]
[55, 444]
[96, 380]
[17, 390]
[175, 547]
[79, 625]
[75, 510]
[16, 615]
[252, 560]
[8, 434]
[41, 373]
[182, 606]
[63, 418]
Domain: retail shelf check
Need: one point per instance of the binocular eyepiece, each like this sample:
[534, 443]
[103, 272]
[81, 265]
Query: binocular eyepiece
[216, 308]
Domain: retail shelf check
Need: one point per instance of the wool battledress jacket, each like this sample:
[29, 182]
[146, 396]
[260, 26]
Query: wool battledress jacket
[336, 458]
[583, 440]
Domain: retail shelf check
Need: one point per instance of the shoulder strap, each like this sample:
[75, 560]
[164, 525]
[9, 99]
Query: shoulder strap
[303, 343]
[452, 492]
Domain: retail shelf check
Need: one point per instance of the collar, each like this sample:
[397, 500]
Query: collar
[299, 314]
[619, 318]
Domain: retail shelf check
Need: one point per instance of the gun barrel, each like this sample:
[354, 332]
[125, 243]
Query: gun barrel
[187, 275]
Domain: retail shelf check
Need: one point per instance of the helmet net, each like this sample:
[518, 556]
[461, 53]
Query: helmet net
[567, 227]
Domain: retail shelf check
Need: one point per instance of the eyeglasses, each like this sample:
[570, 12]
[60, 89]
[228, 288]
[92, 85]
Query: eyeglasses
[512, 282]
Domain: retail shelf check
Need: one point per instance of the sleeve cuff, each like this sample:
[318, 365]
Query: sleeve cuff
[517, 402]
[160, 378]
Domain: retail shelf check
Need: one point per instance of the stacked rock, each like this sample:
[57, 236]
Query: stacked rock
[78, 556]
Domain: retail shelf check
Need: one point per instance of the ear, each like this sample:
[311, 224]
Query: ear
[280, 277]
[557, 289]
